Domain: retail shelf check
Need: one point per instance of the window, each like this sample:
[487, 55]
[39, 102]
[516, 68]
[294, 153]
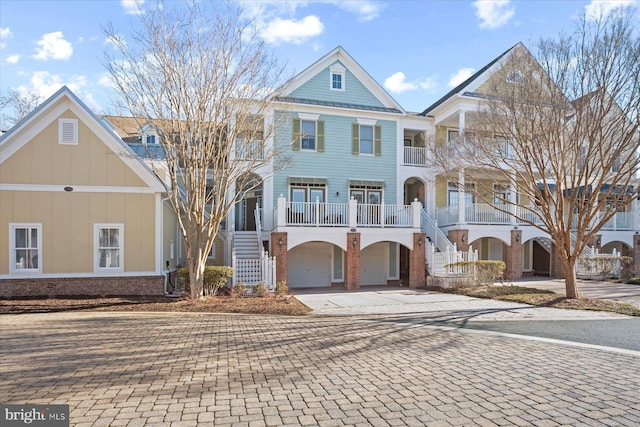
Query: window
[308, 137]
[366, 138]
[68, 131]
[308, 133]
[515, 77]
[452, 135]
[337, 75]
[250, 146]
[501, 193]
[469, 195]
[25, 248]
[109, 241]
[502, 146]
[151, 139]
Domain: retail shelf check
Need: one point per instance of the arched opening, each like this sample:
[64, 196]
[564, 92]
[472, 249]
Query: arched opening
[620, 247]
[245, 219]
[414, 188]
[380, 264]
[490, 248]
[314, 265]
[540, 256]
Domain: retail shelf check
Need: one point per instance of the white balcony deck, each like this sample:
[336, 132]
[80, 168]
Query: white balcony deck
[351, 214]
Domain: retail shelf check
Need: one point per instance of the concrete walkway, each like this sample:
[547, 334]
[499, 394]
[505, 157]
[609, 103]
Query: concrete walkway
[384, 300]
[164, 369]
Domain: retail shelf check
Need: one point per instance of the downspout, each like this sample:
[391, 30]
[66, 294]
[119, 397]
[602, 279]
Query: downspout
[167, 273]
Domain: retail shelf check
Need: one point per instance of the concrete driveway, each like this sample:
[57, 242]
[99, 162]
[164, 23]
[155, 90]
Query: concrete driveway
[371, 300]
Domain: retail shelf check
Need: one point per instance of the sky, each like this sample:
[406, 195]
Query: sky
[417, 50]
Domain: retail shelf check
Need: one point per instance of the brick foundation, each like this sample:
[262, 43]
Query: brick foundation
[460, 238]
[636, 254]
[89, 286]
[279, 250]
[352, 261]
[513, 256]
[417, 261]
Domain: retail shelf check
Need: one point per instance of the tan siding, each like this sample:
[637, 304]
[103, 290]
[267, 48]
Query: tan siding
[68, 226]
[43, 161]
[441, 191]
[169, 234]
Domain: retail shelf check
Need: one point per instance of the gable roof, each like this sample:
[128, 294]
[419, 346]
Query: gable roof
[341, 55]
[479, 76]
[49, 110]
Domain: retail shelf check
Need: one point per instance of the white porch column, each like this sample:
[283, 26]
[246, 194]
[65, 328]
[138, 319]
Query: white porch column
[352, 210]
[430, 197]
[635, 208]
[281, 220]
[461, 198]
[461, 119]
[513, 197]
[416, 208]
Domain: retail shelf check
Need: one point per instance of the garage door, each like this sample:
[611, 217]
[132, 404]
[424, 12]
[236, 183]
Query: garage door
[309, 265]
[373, 265]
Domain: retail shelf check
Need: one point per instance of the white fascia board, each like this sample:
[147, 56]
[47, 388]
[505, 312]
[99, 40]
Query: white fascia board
[53, 188]
[335, 111]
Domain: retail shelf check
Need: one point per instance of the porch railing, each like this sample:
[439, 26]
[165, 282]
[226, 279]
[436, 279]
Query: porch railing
[599, 266]
[383, 215]
[252, 271]
[415, 156]
[480, 213]
[317, 214]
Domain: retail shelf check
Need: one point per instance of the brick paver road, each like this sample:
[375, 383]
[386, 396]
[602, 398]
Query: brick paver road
[168, 369]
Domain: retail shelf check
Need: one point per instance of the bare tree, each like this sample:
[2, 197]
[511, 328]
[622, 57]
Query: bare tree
[20, 103]
[198, 73]
[561, 130]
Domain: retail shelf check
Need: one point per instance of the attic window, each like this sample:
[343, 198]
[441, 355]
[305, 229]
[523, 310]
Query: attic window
[515, 76]
[337, 77]
[68, 131]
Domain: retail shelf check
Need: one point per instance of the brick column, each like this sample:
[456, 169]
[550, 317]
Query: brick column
[352, 262]
[417, 262]
[279, 250]
[636, 254]
[460, 238]
[556, 264]
[513, 258]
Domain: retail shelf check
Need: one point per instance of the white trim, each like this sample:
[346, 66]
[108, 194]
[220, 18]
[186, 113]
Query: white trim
[77, 275]
[308, 116]
[12, 250]
[76, 189]
[366, 122]
[62, 122]
[96, 252]
[339, 70]
[159, 234]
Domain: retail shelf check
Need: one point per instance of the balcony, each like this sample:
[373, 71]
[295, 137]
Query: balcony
[479, 213]
[350, 214]
[415, 156]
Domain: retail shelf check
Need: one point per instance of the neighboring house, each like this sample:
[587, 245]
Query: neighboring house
[470, 223]
[80, 214]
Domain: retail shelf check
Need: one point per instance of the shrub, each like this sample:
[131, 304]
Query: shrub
[634, 281]
[239, 288]
[282, 288]
[483, 272]
[215, 278]
[259, 290]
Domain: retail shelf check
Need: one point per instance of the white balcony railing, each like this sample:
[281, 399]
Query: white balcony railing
[351, 214]
[621, 221]
[479, 213]
[415, 156]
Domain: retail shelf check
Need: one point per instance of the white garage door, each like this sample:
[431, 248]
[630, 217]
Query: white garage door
[309, 265]
[373, 265]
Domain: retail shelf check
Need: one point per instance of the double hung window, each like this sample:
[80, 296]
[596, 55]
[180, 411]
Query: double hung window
[26, 248]
[109, 245]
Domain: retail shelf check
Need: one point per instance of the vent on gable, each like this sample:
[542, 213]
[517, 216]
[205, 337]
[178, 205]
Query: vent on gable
[68, 131]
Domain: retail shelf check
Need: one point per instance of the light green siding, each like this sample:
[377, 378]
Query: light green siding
[337, 163]
[355, 92]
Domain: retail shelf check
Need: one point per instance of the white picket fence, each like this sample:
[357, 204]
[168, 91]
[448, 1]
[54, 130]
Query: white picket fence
[594, 265]
[440, 263]
[252, 271]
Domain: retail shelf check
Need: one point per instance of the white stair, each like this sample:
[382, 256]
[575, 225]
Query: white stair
[246, 245]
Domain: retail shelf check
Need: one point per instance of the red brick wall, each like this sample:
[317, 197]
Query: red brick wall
[279, 250]
[456, 236]
[352, 262]
[90, 286]
[417, 261]
[636, 254]
[513, 256]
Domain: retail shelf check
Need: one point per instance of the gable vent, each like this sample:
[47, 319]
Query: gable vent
[68, 131]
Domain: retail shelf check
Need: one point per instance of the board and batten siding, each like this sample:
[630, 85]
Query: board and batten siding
[337, 163]
[355, 92]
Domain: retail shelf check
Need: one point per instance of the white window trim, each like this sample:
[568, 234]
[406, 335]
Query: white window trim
[12, 248]
[366, 122]
[61, 124]
[372, 125]
[339, 70]
[315, 134]
[212, 252]
[308, 116]
[96, 250]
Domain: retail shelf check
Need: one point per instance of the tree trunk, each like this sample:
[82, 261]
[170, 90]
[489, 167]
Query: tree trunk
[571, 285]
[196, 276]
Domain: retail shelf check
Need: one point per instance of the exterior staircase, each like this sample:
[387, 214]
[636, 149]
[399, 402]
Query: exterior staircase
[245, 244]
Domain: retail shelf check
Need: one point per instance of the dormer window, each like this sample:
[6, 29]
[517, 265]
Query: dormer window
[337, 77]
[151, 139]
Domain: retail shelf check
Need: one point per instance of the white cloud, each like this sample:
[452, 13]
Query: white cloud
[13, 59]
[132, 7]
[461, 75]
[601, 8]
[105, 80]
[53, 46]
[366, 10]
[46, 84]
[5, 33]
[291, 30]
[396, 83]
[493, 13]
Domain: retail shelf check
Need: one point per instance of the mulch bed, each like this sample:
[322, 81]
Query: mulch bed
[287, 305]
